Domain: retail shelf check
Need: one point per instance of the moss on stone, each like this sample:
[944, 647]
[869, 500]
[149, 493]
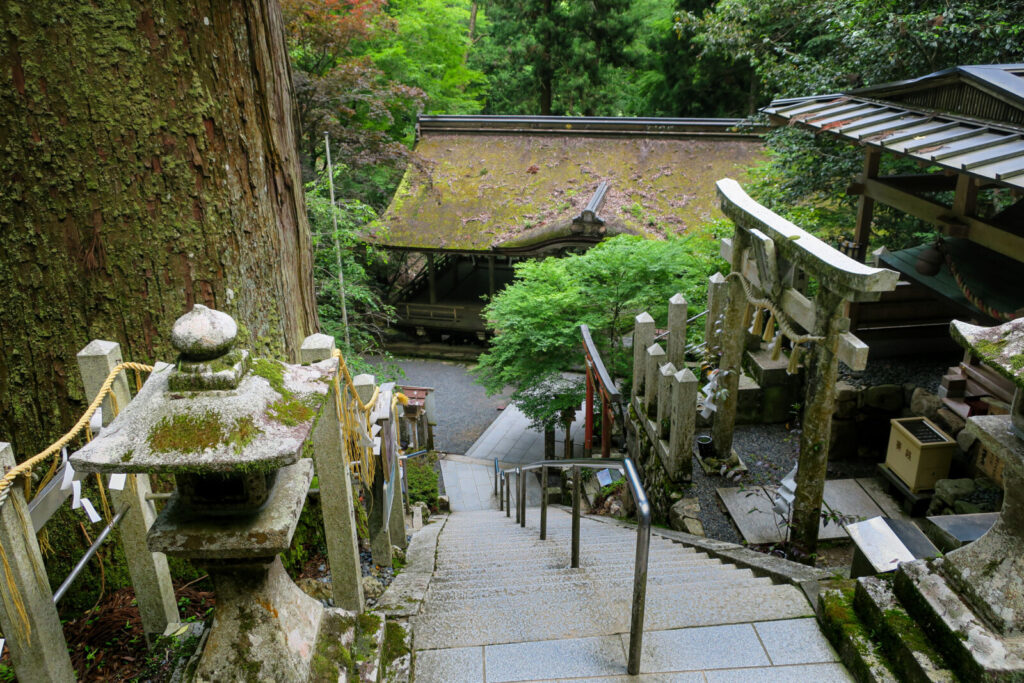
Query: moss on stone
[272, 371]
[291, 411]
[243, 433]
[187, 433]
[394, 645]
[127, 455]
[365, 645]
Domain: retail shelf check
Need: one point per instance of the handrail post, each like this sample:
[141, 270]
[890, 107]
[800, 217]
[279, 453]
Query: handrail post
[643, 546]
[495, 476]
[508, 495]
[575, 516]
[522, 499]
[501, 492]
[543, 503]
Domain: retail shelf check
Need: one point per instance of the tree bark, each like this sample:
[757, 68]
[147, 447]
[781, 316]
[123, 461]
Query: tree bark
[149, 162]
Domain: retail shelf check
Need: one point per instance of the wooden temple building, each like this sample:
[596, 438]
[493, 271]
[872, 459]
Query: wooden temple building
[965, 129]
[486, 191]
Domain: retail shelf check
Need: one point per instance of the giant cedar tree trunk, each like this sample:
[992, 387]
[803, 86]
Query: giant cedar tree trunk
[147, 161]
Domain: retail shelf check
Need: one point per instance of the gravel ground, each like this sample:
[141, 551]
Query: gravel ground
[463, 408]
[924, 371]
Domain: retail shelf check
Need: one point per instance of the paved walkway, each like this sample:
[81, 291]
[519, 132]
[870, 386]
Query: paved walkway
[503, 606]
[469, 479]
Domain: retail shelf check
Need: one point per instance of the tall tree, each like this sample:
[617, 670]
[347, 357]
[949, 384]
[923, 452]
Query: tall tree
[149, 162]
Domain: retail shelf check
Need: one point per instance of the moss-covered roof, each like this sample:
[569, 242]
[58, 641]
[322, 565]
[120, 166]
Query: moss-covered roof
[477, 192]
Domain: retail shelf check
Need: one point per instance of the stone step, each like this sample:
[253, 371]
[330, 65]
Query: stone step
[547, 556]
[506, 621]
[561, 569]
[669, 589]
[839, 622]
[485, 587]
[907, 648]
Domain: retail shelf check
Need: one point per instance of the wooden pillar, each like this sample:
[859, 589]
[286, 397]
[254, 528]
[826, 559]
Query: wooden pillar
[151, 577]
[819, 404]
[549, 442]
[677, 311]
[965, 202]
[865, 204]
[432, 278]
[27, 614]
[588, 415]
[643, 336]
[732, 342]
[337, 503]
[490, 276]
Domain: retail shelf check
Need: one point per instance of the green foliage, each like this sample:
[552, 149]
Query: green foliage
[309, 539]
[537, 318]
[422, 481]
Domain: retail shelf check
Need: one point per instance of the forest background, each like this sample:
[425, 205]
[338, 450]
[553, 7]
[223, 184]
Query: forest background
[364, 69]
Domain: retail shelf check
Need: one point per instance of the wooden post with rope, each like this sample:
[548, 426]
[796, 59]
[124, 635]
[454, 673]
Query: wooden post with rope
[336, 498]
[27, 613]
[149, 572]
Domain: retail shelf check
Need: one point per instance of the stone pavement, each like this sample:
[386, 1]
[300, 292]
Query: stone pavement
[504, 606]
[469, 479]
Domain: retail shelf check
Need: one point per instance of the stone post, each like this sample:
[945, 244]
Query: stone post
[396, 519]
[643, 336]
[666, 373]
[380, 535]
[336, 499]
[822, 373]
[683, 422]
[95, 362]
[677, 310]
[150, 575]
[655, 357]
[717, 294]
[27, 615]
[733, 341]
[316, 347]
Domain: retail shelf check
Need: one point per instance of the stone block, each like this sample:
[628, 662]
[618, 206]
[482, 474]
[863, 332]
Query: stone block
[924, 403]
[950, 421]
[951, 490]
[693, 526]
[843, 439]
[846, 392]
[887, 397]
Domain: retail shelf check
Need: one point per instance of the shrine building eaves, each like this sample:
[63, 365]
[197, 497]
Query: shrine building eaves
[967, 119]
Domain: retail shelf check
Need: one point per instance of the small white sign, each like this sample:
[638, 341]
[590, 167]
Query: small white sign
[117, 481]
[76, 495]
[90, 511]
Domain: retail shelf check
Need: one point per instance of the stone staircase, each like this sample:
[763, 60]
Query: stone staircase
[504, 606]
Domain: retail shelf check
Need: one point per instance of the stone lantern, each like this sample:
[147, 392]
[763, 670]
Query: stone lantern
[235, 432]
[989, 573]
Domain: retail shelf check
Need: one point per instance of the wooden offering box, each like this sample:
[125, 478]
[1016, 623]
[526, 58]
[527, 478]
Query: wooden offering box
[919, 452]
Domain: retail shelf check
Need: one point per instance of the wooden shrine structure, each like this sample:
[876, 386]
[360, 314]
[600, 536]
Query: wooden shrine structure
[965, 128]
[488, 191]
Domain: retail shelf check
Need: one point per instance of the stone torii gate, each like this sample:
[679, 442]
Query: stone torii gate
[768, 255]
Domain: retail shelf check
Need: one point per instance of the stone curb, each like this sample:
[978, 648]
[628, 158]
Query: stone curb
[405, 594]
[779, 570]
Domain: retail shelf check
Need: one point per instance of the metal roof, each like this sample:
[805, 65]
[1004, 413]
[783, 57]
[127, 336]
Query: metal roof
[986, 149]
[649, 127]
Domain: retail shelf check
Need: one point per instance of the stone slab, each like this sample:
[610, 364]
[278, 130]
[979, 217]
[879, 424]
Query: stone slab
[454, 665]
[714, 647]
[847, 497]
[795, 641]
[179, 533]
[571, 658]
[806, 673]
[890, 507]
[949, 532]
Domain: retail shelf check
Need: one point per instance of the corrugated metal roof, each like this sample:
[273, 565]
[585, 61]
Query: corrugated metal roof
[980, 148]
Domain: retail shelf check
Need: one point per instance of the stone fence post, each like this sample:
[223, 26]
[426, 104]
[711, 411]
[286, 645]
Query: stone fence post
[677, 310]
[336, 499]
[716, 308]
[27, 613]
[666, 373]
[643, 336]
[380, 535]
[655, 358]
[683, 422]
[150, 575]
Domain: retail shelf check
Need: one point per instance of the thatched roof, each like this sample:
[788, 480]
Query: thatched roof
[487, 188]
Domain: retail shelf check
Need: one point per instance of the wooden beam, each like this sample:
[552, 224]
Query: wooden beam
[866, 205]
[965, 202]
[974, 229]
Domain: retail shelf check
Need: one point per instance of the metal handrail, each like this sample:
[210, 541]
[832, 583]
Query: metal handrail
[643, 530]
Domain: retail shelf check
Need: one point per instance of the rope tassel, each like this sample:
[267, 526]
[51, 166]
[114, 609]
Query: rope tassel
[769, 329]
[758, 322]
[777, 346]
[794, 360]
